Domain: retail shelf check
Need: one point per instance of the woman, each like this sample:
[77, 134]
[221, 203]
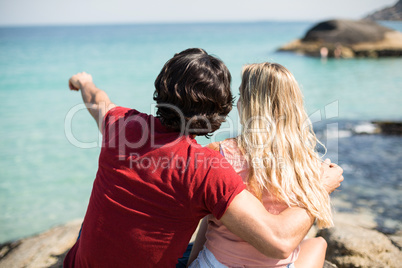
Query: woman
[276, 157]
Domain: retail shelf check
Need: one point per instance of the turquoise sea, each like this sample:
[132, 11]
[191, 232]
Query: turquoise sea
[49, 144]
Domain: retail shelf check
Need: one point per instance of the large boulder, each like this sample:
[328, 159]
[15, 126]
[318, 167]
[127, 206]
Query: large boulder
[348, 38]
[354, 246]
[346, 32]
[389, 127]
[352, 243]
[47, 249]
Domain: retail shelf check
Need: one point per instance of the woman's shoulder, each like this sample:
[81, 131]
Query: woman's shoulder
[227, 144]
[232, 142]
[213, 146]
[230, 146]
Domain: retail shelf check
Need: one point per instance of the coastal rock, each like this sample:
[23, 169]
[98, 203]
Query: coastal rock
[44, 250]
[389, 13]
[352, 243]
[396, 239]
[347, 39]
[346, 32]
[355, 246]
[362, 220]
[327, 264]
[47, 249]
[390, 128]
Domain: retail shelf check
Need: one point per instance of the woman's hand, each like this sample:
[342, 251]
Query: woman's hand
[331, 175]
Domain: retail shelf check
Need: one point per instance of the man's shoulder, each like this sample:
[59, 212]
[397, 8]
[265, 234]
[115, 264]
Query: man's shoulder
[121, 111]
[124, 114]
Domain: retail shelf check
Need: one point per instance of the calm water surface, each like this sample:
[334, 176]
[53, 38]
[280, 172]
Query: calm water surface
[49, 144]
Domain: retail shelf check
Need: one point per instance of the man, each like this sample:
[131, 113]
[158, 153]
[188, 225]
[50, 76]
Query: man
[155, 183]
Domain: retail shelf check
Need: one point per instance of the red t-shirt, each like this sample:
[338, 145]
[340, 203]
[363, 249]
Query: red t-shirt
[151, 189]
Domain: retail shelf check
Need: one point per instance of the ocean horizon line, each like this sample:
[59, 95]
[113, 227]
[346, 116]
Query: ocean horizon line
[152, 23]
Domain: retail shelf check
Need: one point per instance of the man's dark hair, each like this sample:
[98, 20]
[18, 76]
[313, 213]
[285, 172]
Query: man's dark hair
[192, 92]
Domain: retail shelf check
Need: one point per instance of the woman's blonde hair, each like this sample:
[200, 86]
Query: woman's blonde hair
[279, 142]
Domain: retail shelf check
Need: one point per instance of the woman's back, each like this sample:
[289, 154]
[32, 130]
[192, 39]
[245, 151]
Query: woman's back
[276, 155]
[228, 248]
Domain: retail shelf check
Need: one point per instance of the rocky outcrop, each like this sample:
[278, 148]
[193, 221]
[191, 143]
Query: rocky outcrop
[346, 32]
[354, 242]
[378, 127]
[353, 246]
[47, 249]
[347, 39]
[389, 128]
[44, 250]
[389, 13]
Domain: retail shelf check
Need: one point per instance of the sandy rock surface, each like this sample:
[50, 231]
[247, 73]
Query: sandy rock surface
[44, 250]
[354, 242]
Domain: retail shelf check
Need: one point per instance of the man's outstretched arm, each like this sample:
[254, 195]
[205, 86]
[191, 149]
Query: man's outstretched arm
[275, 236]
[96, 100]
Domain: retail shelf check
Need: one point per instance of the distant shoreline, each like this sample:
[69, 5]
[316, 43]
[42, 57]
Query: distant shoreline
[167, 24]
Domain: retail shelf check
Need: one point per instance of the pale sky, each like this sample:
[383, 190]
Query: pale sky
[66, 12]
